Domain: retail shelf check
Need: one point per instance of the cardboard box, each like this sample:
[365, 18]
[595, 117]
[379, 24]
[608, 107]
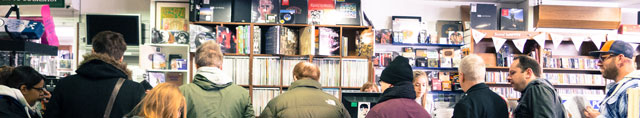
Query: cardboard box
[21, 29]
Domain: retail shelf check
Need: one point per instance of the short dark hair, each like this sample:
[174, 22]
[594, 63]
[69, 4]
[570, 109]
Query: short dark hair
[110, 43]
[18, 76]
[528, 62]
[364, 106]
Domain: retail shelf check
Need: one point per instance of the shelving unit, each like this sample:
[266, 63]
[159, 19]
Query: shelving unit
[281, 86]
[532, 46]
[146, 63]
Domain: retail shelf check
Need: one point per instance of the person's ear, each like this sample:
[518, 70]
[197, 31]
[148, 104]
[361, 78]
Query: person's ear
[23, 88]
[461, 77]
[529, 73]
[121, 58]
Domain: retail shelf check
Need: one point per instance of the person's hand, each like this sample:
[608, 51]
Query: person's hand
[590, 112]
[47, 96]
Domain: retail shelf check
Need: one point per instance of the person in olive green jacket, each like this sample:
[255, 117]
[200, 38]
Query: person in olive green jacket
[305, 98]
[212, 93]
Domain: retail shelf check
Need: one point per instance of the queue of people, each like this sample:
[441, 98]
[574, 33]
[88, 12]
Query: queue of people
[103, 88]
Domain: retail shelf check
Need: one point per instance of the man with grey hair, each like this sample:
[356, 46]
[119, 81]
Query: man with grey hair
[479, 101]
[212, 93]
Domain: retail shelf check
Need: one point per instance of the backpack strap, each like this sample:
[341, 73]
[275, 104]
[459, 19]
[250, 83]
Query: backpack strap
[114, 94]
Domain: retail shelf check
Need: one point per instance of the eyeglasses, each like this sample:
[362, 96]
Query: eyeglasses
[605, 56]
[42, 89]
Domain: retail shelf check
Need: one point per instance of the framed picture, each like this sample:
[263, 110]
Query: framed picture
[406, 28]
[171, 16]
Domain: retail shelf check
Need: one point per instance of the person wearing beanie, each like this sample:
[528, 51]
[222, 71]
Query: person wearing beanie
[398, 97]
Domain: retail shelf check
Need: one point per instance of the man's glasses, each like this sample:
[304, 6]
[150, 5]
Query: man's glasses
[605, 56]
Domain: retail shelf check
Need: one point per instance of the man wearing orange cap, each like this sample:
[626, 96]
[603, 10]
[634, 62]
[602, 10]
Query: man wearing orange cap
[616, 63]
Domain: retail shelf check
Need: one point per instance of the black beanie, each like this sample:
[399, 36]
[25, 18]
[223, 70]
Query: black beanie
[397, 71]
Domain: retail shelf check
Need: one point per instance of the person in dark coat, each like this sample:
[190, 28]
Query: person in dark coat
[86, 94]
[398, 98]
[539, 98]
[479, 101]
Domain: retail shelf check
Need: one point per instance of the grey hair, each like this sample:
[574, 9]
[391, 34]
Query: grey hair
[473, 68]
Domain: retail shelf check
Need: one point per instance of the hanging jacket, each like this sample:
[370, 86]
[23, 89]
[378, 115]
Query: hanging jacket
[14, 105]
[398, 102]
[305, 99]
[213, 95]
[86, 94]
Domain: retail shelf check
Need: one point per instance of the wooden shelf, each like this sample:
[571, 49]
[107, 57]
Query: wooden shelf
[265, 24]
[426, 44]
[579, 85]
[357, 88]
[509, 34]
[235, 54]
[295, 25]
[263, 55]
[497, 83]
[244, 86]
[356, 27]
[355, 57]
[498, 67]
[267, 86]
[432, 68]
[570, 69]
[333, 26]
[324, 56]
[28, 47]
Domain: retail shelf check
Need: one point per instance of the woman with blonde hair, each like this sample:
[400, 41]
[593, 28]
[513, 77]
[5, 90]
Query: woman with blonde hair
[163, 101]
[421, 86]
[369, 87]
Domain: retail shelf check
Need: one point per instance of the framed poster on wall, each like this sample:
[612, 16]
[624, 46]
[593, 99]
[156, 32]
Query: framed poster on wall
[171, 16]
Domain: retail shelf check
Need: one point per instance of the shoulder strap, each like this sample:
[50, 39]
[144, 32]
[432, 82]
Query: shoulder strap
[107, 111]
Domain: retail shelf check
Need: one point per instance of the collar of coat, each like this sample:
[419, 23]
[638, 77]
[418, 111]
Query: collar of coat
[403, 89]
[305, 82]
[107, 59]
[477, 87]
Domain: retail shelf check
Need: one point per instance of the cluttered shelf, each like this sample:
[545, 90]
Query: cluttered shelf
[422, 68]
[267, 86]
[274, 24]
[27, 47]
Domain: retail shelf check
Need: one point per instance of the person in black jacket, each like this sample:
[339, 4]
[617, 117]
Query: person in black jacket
[20, 90]
[480, 101]
[86, 94]
[539, 98]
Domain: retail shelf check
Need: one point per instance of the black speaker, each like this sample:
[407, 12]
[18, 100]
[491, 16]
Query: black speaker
[143, 35]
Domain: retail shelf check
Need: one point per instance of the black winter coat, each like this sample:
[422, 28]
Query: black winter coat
[86, 94]
[481, 102]
[11, 108]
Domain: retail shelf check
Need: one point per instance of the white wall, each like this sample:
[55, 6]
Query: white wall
[380, 11]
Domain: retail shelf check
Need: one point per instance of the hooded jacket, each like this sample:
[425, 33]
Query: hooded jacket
[305, 99]
[398, 102]
[86, 94]
[213, 95]
[14, 105]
